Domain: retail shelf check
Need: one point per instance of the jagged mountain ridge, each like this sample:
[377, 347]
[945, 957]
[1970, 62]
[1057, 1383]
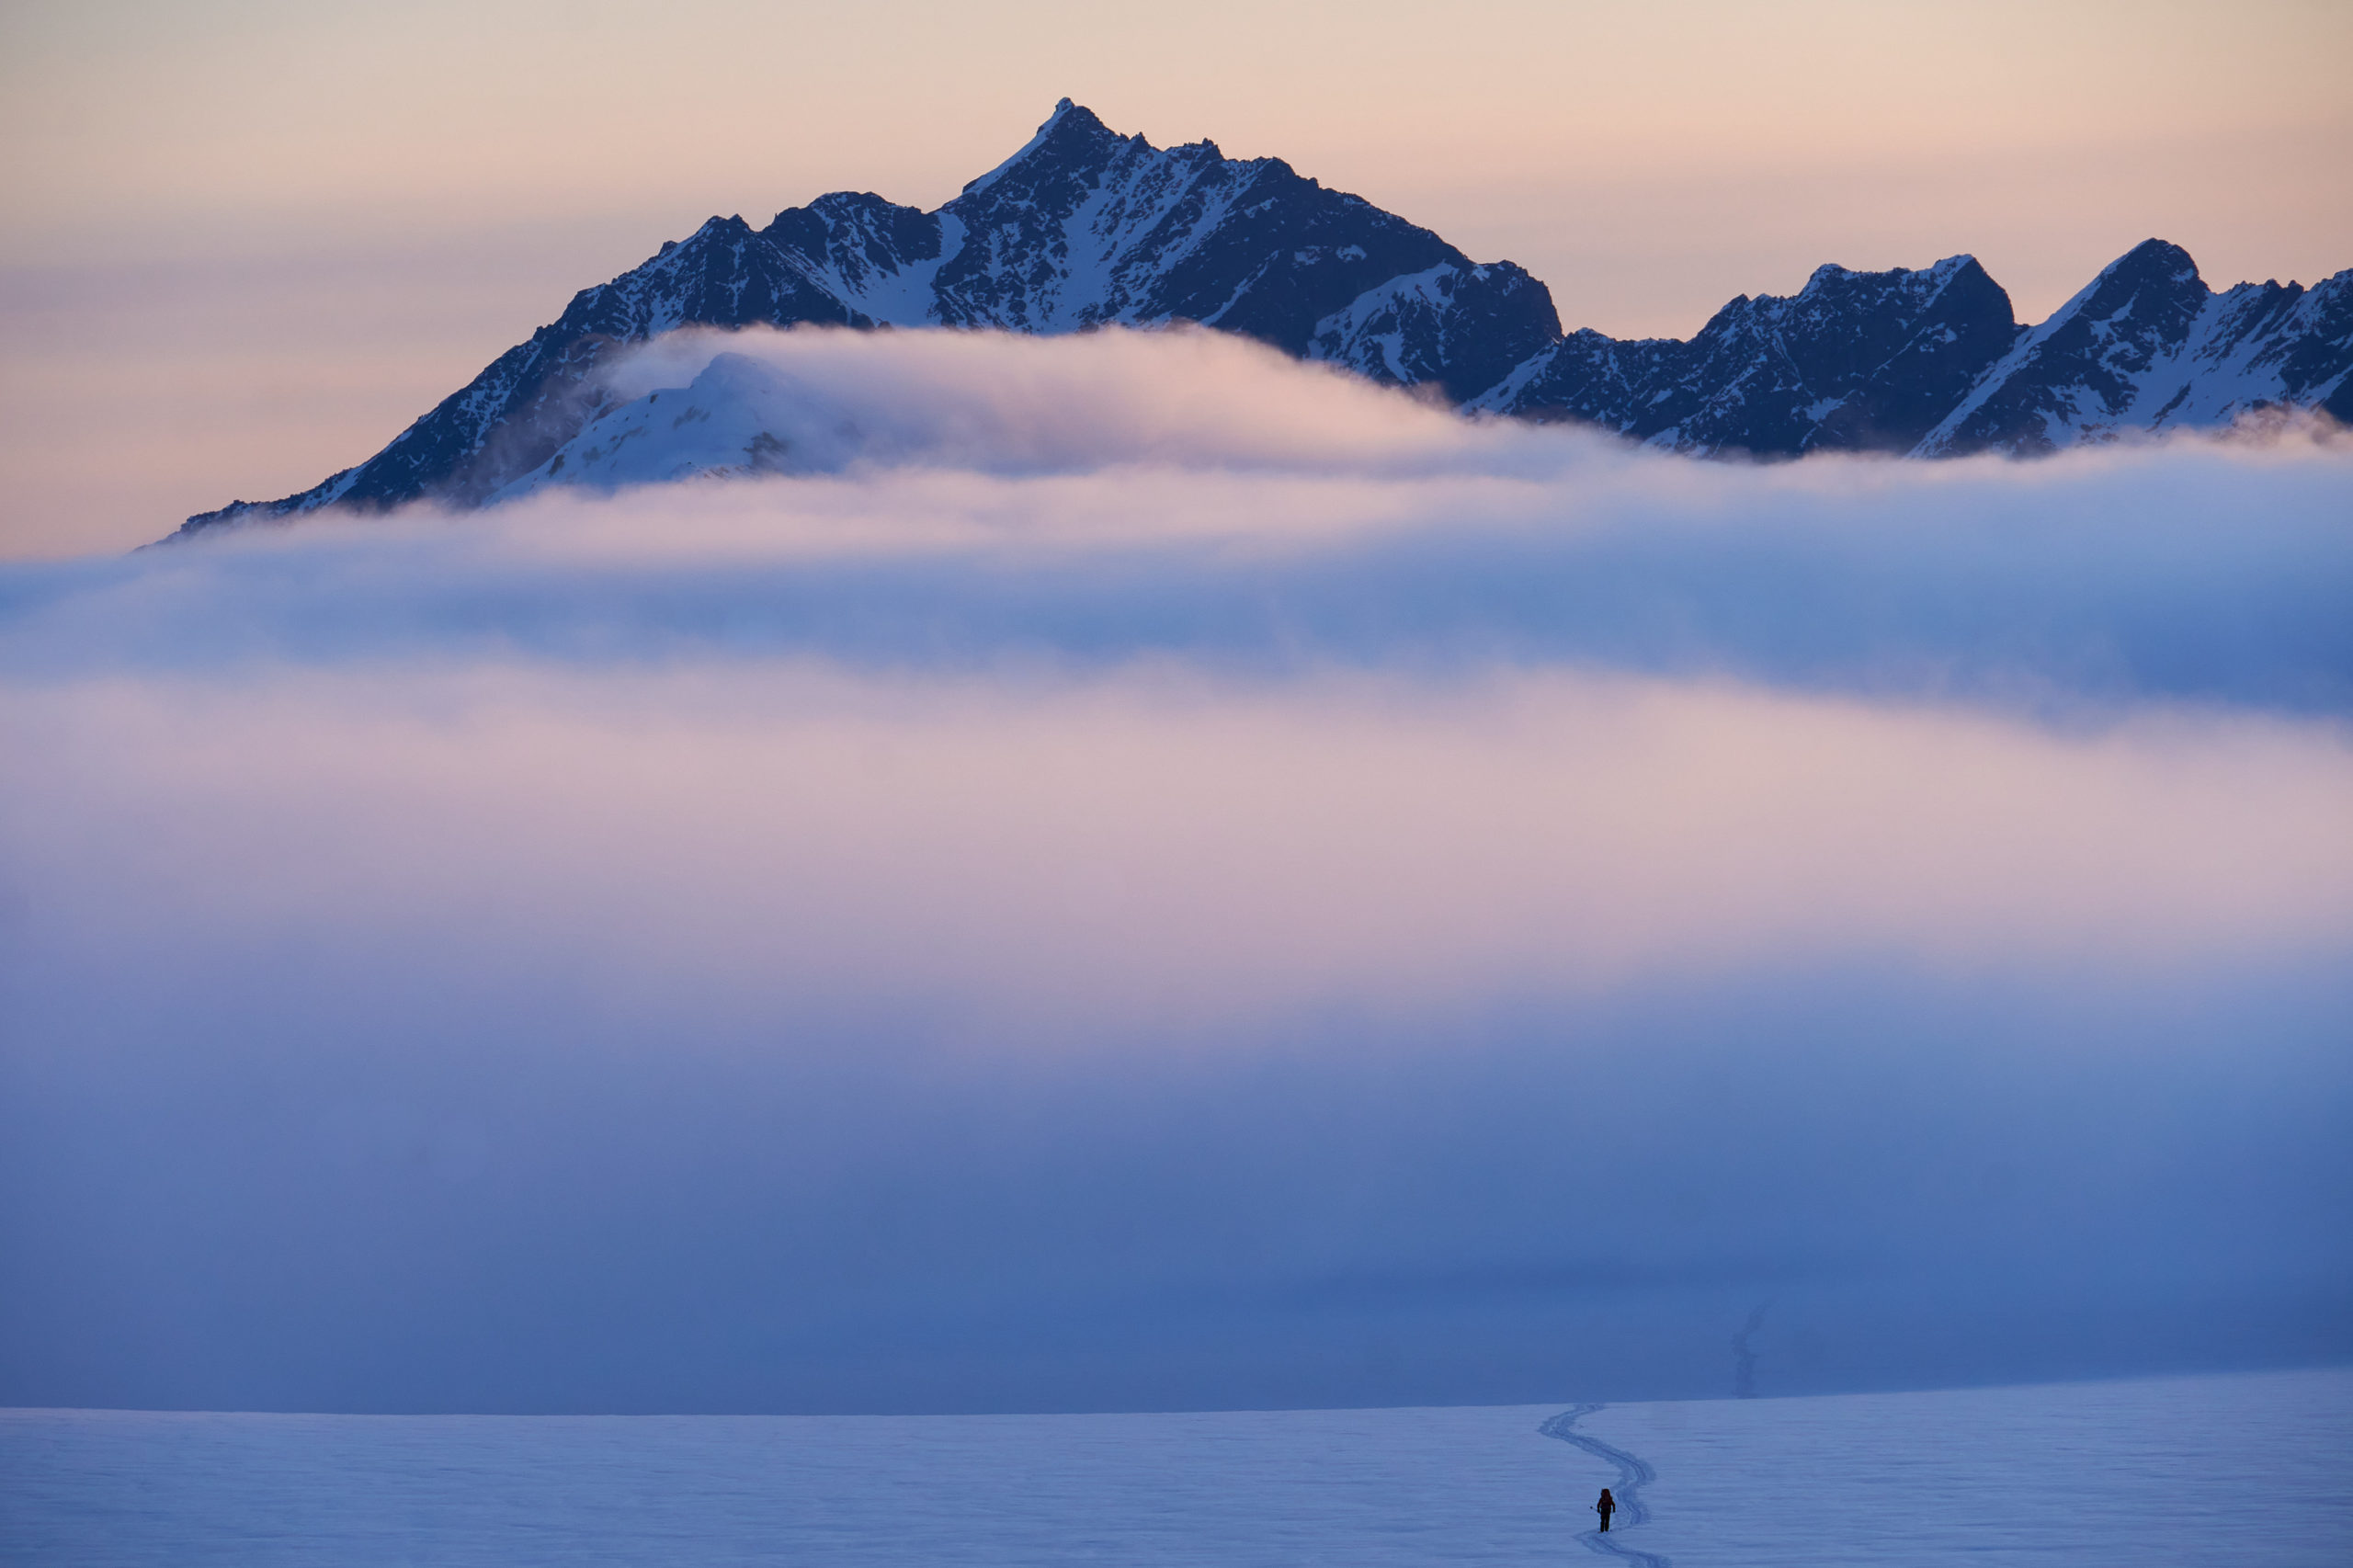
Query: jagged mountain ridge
[1082, 227]
[2147, 345]
[1855, 361]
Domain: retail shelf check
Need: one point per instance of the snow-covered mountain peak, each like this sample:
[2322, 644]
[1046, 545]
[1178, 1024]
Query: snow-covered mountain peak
[1830, 284]
[1070, 134]
[2153, 261]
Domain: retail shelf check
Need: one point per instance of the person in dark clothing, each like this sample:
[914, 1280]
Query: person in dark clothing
[1607, 1506]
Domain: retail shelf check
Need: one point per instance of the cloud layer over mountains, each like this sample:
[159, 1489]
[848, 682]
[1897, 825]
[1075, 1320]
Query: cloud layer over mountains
[1126, 872]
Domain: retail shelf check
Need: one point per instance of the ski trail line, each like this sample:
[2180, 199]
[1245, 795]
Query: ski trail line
[1633, 1475]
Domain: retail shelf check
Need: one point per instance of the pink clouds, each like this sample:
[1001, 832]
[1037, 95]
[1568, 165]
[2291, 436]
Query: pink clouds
[1047, 851]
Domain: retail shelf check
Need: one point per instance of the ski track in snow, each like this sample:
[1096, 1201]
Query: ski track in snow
[1633, 1475]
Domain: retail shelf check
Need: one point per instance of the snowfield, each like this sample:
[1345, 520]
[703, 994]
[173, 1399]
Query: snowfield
[2245, 1470]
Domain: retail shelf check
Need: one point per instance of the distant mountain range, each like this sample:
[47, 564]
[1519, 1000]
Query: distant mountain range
[1084, 227]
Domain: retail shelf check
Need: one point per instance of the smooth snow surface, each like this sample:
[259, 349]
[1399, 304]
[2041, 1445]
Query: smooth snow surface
[2241, 1470]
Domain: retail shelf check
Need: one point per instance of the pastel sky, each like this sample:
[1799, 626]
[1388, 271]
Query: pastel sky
[246, 243]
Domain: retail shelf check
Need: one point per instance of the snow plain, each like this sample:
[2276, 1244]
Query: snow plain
[2249, 1469]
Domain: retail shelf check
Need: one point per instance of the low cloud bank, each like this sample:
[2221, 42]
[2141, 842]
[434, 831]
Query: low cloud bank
[826, 401]
[1208, 501]
[1341, 905]
[830, 400]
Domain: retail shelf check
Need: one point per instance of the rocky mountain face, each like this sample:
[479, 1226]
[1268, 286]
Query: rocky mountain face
[1083, 227]
[1865, 361]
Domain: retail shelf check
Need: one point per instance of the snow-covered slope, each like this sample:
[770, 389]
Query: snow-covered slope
[1083, 227]
[2147, 346]
[2153, 1474]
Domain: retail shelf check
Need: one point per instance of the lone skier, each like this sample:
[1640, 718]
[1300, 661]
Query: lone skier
[1607, 1506]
